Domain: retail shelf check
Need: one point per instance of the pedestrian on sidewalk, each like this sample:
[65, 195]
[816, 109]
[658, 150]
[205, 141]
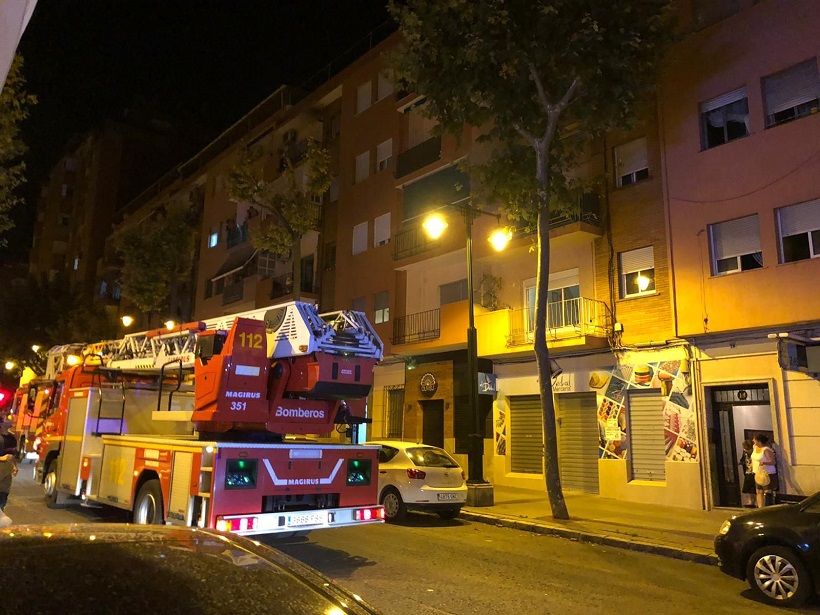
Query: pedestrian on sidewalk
[748, 490]
[8, 468]
[763, 457]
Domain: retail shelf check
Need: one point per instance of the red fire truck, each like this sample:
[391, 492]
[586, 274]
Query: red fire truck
[205, 424]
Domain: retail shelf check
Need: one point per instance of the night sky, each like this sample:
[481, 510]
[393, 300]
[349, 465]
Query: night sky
[206, 61]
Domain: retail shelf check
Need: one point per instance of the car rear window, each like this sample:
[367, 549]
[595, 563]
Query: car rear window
[430, 457]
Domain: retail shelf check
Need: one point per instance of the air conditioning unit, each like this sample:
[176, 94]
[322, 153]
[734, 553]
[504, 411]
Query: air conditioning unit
[289, 137]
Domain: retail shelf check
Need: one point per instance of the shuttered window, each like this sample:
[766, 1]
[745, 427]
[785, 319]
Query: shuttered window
[631, 162]
[384, 155]
[360, 238]
[792, 93]
[647, 447]
[724, 118]
[384, 86]
[799, 228]
[381, 230]
[735, 245]
[453, 292]
[637, 272]
[364, 96]
[526, 438]
[362, 167]
[395, 411]
[578, 438]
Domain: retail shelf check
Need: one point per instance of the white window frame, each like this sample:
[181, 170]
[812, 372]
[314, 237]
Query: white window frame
[381, 309]
[640, 261]
[384, 155]
[788, 90]
[631, 159]
[384, 87]
[362, 167]
[799, 219]
[720, 104]
[381, 230]
[265, 265]
[731, 240]
[557, 281]
[364, 96]
[360, 238]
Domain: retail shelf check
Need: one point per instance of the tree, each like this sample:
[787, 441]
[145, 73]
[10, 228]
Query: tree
[290, 201]
[157, 256]
[526, 72]
[14, 108]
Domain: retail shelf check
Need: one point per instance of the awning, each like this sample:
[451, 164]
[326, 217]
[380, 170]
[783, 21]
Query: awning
[235, 262]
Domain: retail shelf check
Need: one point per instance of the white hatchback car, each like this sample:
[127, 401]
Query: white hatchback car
[419, 477]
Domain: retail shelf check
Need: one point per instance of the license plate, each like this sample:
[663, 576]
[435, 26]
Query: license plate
[448, 496]
[317, 518]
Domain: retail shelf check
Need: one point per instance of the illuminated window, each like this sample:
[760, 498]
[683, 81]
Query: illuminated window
[381, 307]
[213, 239]
[637, 272]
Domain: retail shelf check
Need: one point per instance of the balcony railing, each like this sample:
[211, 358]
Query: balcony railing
[417, 327]
[237, 235]
[233, 292]
[418, 156]
[565, 319]
[411, 241]
[292, 153]
[586, 209]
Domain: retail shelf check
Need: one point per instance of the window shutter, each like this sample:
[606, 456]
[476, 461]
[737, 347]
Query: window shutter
[736, 237]
[384, 150]
[385, 86]
[381, 230]
[797, 85]
[526, 443]
[637, 260]
[801, 218]
[363, 96]
[631, 157]
[362, 166]
[647, 443]
[722, 101]
[360, 238]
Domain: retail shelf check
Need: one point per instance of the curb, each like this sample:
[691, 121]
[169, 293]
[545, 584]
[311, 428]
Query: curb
[631, 544]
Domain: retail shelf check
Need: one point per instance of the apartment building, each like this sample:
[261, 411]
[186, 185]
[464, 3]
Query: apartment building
[740, 139]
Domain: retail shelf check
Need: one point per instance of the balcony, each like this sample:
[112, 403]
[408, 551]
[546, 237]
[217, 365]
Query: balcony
[233, 292]
[566, 320]
[418, 327]
[237, 235]
[418, 156]
[282, 286]
[410, 242]
[292, 153]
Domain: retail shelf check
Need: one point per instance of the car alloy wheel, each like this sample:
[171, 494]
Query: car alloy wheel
[778, 576]
[394, 508]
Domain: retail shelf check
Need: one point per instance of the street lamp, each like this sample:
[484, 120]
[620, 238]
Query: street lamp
[479, 491]
[127, 321]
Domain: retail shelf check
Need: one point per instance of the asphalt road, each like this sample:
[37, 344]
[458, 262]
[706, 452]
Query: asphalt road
[426, 566]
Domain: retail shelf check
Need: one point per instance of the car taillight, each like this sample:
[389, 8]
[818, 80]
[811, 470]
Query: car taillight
[463, 475]
[239, 524]
[369, 514]
[414, 473]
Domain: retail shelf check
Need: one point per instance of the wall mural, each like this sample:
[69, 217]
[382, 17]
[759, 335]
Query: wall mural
[612, 387]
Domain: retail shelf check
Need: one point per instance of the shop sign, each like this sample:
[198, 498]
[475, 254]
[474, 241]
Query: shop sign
[428, 385]
[487, 384]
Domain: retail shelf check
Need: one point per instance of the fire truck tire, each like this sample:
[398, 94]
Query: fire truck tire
[148, 507]
[54, 499]
[394, 508]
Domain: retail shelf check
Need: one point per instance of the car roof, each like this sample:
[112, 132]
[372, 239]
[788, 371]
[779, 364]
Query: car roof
[400, 444]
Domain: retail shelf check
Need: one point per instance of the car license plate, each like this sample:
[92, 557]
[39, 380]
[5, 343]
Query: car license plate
[317, 518]
[447, 496]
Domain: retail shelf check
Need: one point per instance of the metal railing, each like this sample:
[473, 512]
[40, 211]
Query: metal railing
[565, 319]
[417, 327]
[418, 156]
[411, 241]
[233, 292]
[586, 209]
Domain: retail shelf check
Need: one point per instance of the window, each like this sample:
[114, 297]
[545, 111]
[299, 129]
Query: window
[735, 245]
[358, 304]
[384, 87]
[564, 306]
[362, 167]
[265, 265]
[360, 238]
[364, 96]
[213, 239]
[707, 12]
[330, 257]
[219, 286]
[381, 307]
[724, 119]
[103, 288]
[67, 190]
[792, 93]
[209, 288]
[64, 220]
[333, 191]
[631, 165]
[453, 292]
[76, 263]
[799, 229]
[306, 267]
[384, 154]
[637, 272]
[115, 292]
[334, 126]
[381, 230]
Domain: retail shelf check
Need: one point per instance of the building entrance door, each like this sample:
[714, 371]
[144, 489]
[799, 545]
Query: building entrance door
[432, 422]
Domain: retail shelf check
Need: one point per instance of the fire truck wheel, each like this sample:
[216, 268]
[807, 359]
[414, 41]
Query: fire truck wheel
[148, 508]
[394, 508]
[54, 499]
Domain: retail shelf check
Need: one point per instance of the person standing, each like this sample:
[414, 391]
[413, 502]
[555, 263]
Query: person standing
[763, 456]
[748, 490]
[8, 468]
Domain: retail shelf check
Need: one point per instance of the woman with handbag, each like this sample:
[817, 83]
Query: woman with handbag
[764, 467]
[748, 490]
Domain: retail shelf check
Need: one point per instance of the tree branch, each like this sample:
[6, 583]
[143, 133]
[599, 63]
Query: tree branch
[524, 133]
[555, 110]
[542, 95]
[568, 95]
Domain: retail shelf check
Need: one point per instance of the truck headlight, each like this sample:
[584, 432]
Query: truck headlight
[724, 529]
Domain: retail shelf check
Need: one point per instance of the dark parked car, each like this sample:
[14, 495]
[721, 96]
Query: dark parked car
[124, 569]
[775, 549]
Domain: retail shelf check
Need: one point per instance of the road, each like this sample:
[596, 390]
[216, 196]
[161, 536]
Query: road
[426, 566]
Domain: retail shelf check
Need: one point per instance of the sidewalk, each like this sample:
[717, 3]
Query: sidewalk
[663, 530]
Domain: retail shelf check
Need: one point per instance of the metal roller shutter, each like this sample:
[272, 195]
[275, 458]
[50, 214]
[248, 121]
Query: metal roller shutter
[647, 449]
[578, 439]
[526, 437]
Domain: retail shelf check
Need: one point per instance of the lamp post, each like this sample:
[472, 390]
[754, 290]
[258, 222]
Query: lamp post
[479, 491]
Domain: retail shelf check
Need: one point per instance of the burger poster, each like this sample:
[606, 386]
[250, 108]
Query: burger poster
[612, 387]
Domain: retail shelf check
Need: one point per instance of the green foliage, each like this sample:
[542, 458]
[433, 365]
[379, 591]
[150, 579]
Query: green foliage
[157, 253]
[288, 200]
[14, 108]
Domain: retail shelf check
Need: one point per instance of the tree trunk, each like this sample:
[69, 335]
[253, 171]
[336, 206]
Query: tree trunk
[296, 260]
[552, 473]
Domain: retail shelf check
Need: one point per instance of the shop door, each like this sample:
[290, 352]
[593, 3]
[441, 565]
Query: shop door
[647, 450]
[578, 441]
[526, 437]
[432, 422]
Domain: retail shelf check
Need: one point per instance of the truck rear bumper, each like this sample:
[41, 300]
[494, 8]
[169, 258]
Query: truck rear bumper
[272, 523]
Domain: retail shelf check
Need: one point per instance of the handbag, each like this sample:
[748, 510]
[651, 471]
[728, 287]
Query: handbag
[762, 477]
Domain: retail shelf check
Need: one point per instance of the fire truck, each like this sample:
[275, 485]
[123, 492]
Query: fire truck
[207, 424]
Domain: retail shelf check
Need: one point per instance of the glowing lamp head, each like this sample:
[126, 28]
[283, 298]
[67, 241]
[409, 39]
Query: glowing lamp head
[10, 365]
[35, 347]
[72, 359]
[434, 226]
[170, 324]
[500, 238]
[643, 282]
[127, 321]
